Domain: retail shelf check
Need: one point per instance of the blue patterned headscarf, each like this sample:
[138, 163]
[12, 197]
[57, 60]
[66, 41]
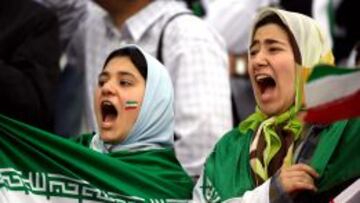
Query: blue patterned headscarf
[154, 127]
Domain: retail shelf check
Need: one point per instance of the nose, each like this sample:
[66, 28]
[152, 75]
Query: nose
[107, 88]
[259, 59]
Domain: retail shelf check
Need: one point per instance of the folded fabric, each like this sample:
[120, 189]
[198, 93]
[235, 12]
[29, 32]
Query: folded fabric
[36, 166]
[332, 94]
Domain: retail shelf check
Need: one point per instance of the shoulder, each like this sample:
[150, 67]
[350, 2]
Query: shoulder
[349, 130]
[346, 127]
[190, 27]
[354, 124]
[233, 135]
[39, 12]
[232, 141]
[83, 139]
[27, 13]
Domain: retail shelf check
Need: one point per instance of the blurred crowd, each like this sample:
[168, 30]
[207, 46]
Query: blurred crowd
[51, 52]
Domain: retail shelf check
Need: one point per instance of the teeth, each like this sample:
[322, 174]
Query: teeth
[261, 77]
[106, 103]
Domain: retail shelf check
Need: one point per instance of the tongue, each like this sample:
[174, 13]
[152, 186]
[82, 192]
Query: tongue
[109, 118]
[267, 93]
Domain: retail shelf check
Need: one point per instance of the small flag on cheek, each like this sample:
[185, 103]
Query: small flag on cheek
[131, 105]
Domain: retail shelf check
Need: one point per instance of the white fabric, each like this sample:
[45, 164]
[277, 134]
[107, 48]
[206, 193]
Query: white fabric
[195, 57]
[331, 89]
[8, 196]
[351, 63]
[259, 195]
[233, 18]
[154, 126]
[320, 14]
[312, 43]
[350, 194]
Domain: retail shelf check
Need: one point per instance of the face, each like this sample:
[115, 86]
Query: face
[272, 69]
[118, 97]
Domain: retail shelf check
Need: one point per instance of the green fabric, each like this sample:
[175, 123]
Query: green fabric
[228, 173]
[326, 70]
[144, 176]
[337, 157]
[273, 142]
[252, 122]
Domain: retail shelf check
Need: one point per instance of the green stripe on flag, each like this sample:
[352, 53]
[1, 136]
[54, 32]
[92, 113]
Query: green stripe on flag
[71, 170]
[131, 102]
[321, 71]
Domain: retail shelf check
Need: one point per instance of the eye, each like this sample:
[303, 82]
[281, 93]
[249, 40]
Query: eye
[102, 79]
[101, 82]
[253, 52]
[125, 83]
[274, 49]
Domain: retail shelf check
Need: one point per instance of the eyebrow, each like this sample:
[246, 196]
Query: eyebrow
[120, 73]
[268, 42]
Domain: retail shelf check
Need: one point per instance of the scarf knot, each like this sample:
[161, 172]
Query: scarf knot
[266, 127]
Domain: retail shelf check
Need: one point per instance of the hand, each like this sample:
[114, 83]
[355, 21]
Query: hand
[296, 178]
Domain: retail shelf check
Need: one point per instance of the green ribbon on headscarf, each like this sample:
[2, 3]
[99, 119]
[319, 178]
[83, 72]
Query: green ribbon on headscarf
[290, 123]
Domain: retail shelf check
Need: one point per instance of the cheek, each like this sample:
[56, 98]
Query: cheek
[250, 71]
[97, 97]
[97, 103]
[286, 78]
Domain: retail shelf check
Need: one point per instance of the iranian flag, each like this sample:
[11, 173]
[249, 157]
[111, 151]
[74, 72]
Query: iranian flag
[131, 105]
[37, 166]
[332, 94]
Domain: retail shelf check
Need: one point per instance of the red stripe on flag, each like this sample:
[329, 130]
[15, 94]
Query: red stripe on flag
[344, 108]
[130, 107]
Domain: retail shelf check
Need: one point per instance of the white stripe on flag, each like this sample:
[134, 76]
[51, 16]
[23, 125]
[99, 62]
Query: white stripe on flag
[331, 88]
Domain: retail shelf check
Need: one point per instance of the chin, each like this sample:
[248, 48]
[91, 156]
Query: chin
[106, 136]
[270, 111]
[109, 137]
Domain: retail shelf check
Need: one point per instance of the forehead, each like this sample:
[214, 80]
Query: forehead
[120, 63]
[271, 31]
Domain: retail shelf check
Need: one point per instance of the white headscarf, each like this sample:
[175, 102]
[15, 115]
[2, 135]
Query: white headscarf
[154, 127]
[314, 46]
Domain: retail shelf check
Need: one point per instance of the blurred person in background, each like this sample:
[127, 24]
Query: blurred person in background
[29, 62]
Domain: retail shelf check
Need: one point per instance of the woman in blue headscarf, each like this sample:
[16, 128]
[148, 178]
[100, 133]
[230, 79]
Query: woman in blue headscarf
[130, 158]
[133, 103]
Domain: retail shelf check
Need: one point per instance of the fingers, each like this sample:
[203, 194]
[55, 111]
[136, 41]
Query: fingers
[305, 168]
[299, 185]
[298, 177]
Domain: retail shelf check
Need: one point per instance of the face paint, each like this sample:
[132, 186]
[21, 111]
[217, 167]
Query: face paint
[129, 105]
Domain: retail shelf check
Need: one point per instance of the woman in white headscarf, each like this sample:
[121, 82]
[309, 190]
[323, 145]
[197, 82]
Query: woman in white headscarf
[272, 156]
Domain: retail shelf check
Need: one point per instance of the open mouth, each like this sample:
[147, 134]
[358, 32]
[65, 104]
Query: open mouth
[108, 111]
[265, 82]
